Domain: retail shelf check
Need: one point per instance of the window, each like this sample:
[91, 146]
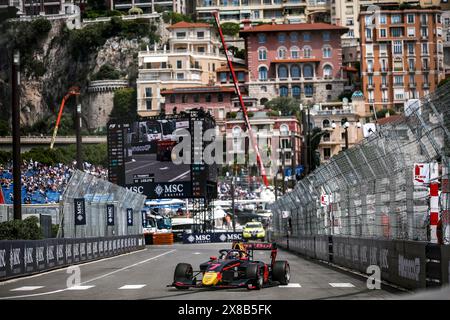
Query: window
[163, 65]
[326, 153]
[326, 36]
[425, 64]
[398, 47]
[148, 92]
[309, 90]
[308, 71]
[284, 91]
[307, 52]
[181, 35]
[398, 64]
[398, 80]
[396, 18]
[223, 77]
[296, 92]
[172, 98]
[411, 32]
[368, 33]
[327, 71]
[241, 76]
[326, 124]
[284, 131]
[369, 65]
[180, 76]
[196, 98]
[424, 48]
[184, 98]
[382, 19]
[281, 37]
[295, 71]
[220, 97]
[370, 80]
[262, 38]
[327, 52]
[262, 74]
[200, 34]
[148, 104]
[411, 48]
[424, 19]
[294, 36]
[282, 53]
[411, 64]
[306, 36]
[295, 53]
[382, 33]
[282, 72]
[424, 32]
[179, 64]
[410, 18]
[349, 22]
[397, 32]
[208, 98]
[383, 63]
[411, 79]
[262, 54]
[263, 101]
[263, 89]
[329, 87]
[384, 80]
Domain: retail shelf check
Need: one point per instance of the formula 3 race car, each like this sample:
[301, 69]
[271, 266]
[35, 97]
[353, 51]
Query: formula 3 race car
[234, 268]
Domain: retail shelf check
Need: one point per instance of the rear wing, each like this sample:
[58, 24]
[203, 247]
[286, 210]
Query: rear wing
[251, 246]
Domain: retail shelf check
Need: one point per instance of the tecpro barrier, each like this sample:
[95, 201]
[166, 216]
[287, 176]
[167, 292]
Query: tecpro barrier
[403, 263]
[25, 257]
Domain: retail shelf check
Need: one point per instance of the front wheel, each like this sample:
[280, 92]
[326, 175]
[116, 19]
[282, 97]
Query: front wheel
[253, 273]
[184, 274]
[281, 272]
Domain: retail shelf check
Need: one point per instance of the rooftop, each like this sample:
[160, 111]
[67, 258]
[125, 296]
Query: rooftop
[293, 27]
[390, 119]
[198, 90]
[184, 25]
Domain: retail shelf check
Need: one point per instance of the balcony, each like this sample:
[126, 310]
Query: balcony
[383, 86]
[426, 85]
[370, 86]
[370, 70]
[384, 70]
[412, 69]
[398, 84]
[412, 85]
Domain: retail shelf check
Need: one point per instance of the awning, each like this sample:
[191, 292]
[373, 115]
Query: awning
[229, 12]
[156, 59]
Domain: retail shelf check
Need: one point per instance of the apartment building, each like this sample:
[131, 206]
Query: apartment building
[402, 55]
[35, 8]
[331, 116]
[190, 60]
[303, 61]
[446, 35]
[149, 6]
[282, 11]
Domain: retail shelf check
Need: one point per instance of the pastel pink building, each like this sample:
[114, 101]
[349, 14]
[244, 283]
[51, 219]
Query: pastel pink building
[300, 60]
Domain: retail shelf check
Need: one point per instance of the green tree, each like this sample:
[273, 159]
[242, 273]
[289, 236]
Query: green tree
[124, 104]
[27, 229]
[174, 17]
[287, 105]
[4, 128]
[230, 28]
[106, 72]
[443, 82]
[382, 113]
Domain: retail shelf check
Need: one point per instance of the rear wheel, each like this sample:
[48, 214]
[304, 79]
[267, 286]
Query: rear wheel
[281, 272]
[183, 273]
[254, 273]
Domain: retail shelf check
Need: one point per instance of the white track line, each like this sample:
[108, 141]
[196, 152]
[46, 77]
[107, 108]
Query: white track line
[132, 286]
[80, 287]
[291, 285]
[342, 285]
[176, 178]
[97, 278]
[27, 288]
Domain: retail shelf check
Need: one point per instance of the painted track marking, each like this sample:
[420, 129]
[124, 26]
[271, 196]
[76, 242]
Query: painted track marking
[132, 286]
[27, 288]
[342, 285]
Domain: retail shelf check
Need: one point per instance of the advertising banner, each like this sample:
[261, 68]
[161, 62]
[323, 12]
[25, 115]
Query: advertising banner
[212, 237]
[80, 212]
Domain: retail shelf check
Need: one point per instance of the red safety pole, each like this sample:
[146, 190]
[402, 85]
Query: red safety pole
[241, 101]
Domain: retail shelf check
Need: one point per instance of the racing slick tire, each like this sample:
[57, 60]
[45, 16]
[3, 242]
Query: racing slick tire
[281, 272]
[253, 273]
[183, 273]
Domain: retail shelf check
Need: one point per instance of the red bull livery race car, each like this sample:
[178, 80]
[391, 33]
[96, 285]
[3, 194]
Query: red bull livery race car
[235, 268]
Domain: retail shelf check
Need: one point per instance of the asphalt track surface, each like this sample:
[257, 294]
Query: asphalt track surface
[164, 171]
[144, 275]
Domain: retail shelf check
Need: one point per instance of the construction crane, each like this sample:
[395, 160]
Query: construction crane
[241, 101]
[73, 91]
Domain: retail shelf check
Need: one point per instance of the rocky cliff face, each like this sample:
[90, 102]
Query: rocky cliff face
[41, 96]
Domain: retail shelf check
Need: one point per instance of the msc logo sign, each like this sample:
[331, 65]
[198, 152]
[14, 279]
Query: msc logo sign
[212, 237]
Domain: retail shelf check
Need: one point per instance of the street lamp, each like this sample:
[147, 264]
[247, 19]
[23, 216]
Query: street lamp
[346, 124]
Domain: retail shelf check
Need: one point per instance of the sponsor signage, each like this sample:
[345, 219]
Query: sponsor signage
[143, 147]
[212, 237]
[162, 190]
[80, 212]
[109, 214]
[129, 217]
[22, 257]
[424, 173]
